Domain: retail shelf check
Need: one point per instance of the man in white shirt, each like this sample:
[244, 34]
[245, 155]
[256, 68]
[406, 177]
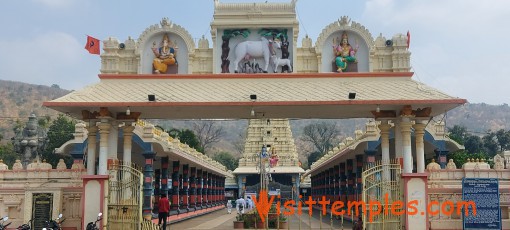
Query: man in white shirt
[240, 205]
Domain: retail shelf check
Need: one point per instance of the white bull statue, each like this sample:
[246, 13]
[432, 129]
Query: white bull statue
[255, 49]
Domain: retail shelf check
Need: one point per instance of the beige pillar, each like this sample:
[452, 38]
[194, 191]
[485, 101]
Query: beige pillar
[398, 140]
[385, 148]
[385, 141]
[113, 141]
[407, 151]
[104, 130]
[419, 131]
[91, 149]
[128, 135]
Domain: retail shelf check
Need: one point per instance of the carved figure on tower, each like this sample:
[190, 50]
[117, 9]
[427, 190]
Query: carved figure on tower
[165, 55]
[344, 52]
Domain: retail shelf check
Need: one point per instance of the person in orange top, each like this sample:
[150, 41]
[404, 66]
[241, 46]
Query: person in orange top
[164, 208]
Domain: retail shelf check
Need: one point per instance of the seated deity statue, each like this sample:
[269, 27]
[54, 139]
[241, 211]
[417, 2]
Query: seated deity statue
[344, 53]
[165, 55]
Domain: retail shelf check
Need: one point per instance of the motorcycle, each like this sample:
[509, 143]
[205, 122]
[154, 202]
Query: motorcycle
[2, 223]
[93, 225]
[54, 224]
[25, 226]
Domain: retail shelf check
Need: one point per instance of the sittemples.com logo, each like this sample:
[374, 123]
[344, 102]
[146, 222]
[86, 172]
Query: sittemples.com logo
[374, 207]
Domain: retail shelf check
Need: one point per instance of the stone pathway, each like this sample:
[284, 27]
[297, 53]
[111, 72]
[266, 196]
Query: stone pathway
[221, 220]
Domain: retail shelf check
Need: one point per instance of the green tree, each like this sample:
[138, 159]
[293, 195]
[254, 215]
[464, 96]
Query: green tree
[8, 155]
[460, 157]
[490, 143]
[474, 144]
[458, 134]
[226, 159]
[313, 157]
[503, 139]
[61, 130]
[186, 136]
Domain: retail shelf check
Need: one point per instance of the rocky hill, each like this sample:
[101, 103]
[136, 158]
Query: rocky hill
[18, 100]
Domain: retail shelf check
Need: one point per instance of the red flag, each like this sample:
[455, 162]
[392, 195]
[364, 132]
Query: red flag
[408, 39]
[92, 45]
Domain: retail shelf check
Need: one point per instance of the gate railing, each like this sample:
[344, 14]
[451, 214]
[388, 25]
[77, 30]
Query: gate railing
[124, 197]
[381, 182]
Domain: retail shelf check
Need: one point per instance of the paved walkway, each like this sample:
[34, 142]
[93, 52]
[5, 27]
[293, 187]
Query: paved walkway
[222, 220]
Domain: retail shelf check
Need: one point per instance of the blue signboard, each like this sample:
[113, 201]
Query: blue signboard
[484, 192]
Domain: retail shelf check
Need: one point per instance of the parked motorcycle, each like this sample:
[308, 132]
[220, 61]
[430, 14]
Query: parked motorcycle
[93, 225]
[25, 226]
[2, 223]
[54, 224]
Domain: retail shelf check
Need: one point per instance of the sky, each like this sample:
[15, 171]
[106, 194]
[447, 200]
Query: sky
[457, 46]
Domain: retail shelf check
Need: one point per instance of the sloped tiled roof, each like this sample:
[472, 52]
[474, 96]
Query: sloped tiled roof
[190, 94]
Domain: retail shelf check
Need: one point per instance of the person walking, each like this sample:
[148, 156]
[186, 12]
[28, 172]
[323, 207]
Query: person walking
[164, 208]
[229, 206]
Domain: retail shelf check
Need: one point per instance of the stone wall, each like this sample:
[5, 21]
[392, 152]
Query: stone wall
[18, 186]
[446, 185]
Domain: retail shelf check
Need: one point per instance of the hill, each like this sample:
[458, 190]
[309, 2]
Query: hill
[18, 100]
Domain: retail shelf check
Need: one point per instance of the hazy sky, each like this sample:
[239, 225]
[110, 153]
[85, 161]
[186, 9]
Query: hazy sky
[458, 46]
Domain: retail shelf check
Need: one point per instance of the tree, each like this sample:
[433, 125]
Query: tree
[460, 157]
[321, 135]
[186, 136]
[313, 157]
[490, 143]
[474, 144]
[503, 139]
[208, 133]
[458, 134]
[8, 155]
[239, 143]
[226, 159]
[61, 130]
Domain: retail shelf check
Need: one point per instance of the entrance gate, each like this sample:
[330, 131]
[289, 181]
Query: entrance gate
[381, 180]
[124, 197]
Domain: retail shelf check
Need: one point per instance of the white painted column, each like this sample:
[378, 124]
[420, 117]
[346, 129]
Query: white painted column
[128, 135]
[385, 148]
[91, 149]
[419, 131]
[104, 130]
[113, 141]
[398, 140]
[407, 151]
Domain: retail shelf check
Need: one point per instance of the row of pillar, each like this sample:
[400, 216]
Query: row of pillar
[341, 182]
[192, 188]
[344, 182]
[107, 148]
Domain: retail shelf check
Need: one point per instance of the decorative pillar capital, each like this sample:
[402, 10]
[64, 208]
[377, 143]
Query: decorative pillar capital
[92, 130]
[128, 129]
[384, 126]
[419, 128]
[104, 127]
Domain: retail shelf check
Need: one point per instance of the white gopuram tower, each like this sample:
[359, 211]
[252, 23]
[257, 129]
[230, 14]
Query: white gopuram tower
[276, 136]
